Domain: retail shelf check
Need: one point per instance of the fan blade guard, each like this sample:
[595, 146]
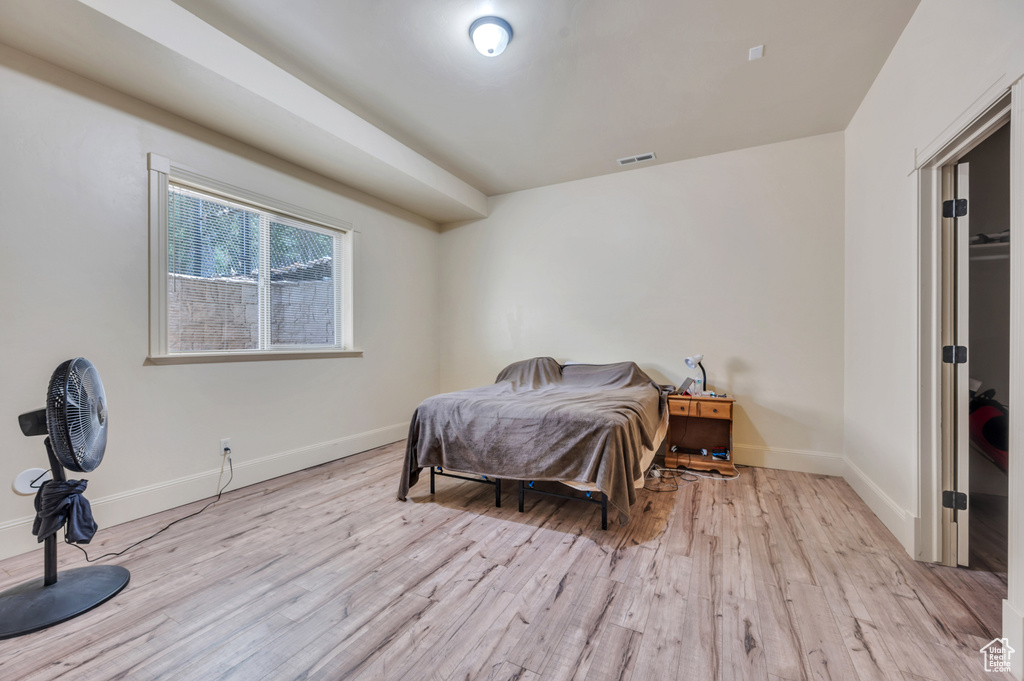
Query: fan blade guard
[76, 415]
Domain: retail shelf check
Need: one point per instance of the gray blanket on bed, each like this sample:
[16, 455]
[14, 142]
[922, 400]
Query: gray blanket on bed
[542, 421]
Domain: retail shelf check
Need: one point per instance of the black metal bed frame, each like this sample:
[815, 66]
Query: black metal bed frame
[437, 470]
[524, 487]
[527, 486]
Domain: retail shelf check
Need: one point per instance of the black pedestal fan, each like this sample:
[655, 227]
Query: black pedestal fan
[75, 420]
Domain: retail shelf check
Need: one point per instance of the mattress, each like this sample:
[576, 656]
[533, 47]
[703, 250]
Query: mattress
[596, 426]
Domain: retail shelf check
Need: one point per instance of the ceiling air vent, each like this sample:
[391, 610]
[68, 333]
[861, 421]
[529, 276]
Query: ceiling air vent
[639, 158]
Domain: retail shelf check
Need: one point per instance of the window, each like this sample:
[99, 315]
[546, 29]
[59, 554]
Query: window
[236, 277]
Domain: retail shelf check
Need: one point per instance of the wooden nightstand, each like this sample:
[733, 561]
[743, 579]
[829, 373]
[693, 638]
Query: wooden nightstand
[696, 423]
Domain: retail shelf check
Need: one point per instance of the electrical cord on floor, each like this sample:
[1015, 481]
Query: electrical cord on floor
[231, 469]
[660, 479]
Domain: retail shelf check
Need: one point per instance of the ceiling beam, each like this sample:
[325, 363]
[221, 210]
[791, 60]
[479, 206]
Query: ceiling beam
[159, 52]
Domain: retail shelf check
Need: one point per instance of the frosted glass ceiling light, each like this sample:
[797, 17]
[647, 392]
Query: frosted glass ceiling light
[490, 35]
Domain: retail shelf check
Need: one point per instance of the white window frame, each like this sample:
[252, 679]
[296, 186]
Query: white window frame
[162, 172]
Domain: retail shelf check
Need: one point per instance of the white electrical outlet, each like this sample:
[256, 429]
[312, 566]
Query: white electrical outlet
[225, 446]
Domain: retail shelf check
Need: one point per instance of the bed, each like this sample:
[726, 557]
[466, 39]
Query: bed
[593, 427]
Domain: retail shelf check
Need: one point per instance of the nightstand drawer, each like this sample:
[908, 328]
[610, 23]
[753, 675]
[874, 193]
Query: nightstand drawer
[714, 410]
[683, 407]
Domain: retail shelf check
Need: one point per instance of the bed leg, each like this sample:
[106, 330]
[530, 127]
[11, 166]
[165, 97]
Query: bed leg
[522, 494]
[497, 492]
[604, 511]
[431, 479]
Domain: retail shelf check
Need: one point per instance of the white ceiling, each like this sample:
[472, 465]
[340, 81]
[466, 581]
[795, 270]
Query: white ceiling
[436, 126]
[583, 82]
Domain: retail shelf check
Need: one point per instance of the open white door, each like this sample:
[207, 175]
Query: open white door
[962, 376]
[944, 408]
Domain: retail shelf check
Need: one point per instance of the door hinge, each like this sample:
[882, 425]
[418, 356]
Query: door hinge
[954, 500]
[954, 354]
[954, 208]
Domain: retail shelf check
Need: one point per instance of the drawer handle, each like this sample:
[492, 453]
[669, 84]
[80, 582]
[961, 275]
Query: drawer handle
[715, 410]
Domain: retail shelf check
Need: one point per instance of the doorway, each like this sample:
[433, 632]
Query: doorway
[975, 245]
[1003, 102]
[942, 425]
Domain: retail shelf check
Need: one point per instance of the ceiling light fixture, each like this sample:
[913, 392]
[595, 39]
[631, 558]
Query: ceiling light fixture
[490, 35]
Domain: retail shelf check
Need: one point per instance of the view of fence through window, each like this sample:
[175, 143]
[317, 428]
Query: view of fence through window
[219, 297]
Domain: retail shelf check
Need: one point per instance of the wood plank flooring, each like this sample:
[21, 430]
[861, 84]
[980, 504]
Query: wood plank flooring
[322, 574]
[988, 533]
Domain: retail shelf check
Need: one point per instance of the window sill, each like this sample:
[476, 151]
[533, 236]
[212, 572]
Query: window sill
[254, 356]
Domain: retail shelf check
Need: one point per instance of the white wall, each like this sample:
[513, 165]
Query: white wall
[952, 57]
[73, 278]
[738, 256]
[950, 54]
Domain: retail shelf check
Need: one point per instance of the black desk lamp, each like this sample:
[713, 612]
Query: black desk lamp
[693, 363]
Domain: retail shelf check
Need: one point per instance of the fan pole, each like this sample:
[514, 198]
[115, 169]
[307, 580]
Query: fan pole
[50, 543]
[41, 603]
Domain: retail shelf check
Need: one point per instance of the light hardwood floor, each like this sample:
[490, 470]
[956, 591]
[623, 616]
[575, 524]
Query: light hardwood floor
[323, 575]
[989, 527]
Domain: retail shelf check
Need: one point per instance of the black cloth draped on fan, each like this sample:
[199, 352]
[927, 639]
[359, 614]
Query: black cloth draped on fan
[58, 503]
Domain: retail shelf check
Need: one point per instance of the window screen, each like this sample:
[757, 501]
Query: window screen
[301, 286]
[241, 278]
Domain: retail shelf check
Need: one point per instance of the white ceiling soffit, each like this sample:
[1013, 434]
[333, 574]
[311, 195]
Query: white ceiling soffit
[390, 96]
[162, 54]
[582, 82]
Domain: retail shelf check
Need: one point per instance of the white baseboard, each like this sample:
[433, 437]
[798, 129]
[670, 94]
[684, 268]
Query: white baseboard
[899, 521]
[16, 535]
[800, 460]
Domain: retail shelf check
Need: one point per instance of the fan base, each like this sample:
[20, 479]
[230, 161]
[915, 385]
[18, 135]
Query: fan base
[31, 606]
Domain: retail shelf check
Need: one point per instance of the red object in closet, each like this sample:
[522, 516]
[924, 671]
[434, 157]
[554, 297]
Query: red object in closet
[990, 427]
